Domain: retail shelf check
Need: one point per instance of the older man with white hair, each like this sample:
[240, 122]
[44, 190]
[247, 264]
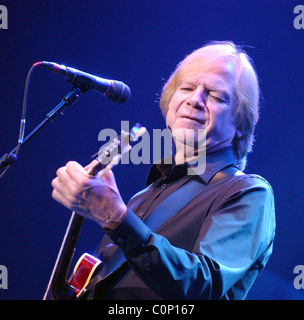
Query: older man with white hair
[186, 236]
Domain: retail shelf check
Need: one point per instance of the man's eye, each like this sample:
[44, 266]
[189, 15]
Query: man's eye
[216, 97]
[186, 88]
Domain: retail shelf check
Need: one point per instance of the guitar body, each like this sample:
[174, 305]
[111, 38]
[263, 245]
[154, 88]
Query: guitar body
[83, 272]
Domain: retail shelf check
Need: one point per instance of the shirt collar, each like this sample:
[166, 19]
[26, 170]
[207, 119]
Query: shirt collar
[215, 162]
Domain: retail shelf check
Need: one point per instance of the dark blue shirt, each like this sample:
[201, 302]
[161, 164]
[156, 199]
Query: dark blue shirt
[212, 248]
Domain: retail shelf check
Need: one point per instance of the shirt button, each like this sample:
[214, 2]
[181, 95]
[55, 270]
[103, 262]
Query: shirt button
[141, 214]
[120, 241]
[163, 186]
[148, 269]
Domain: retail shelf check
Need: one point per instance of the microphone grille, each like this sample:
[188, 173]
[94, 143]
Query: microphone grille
[119, 92]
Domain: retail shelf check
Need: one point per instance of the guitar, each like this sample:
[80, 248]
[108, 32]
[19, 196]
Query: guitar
[83, 272]
[87, 264]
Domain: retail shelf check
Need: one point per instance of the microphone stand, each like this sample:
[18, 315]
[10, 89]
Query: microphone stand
[67, 100]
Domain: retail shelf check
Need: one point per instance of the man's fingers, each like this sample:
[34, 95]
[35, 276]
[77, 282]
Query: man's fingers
[61, 199]
[109, 180]
[66, 189]
[76, 171]
[91, 165]
[63, 175]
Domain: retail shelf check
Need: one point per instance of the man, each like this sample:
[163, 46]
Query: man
[215, 244]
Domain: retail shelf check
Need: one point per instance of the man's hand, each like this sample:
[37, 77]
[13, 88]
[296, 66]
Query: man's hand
[94, 198]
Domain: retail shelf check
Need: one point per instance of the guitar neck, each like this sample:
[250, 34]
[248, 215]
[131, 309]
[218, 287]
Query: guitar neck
[61, 289]
[107, 158]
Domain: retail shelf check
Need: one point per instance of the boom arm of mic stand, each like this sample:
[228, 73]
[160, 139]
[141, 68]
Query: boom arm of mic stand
[67, 100]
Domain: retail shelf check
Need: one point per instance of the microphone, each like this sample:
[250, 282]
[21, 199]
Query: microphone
[114, 90]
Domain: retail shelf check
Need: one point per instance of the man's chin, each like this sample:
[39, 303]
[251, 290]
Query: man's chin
[189, 136]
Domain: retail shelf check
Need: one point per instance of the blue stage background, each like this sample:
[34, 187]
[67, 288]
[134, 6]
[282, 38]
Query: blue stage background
[138, 42]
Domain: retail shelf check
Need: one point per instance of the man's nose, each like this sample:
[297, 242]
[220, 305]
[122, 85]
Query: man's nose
[197, 99]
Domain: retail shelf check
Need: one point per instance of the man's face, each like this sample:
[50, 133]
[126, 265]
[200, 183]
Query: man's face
[204, 100]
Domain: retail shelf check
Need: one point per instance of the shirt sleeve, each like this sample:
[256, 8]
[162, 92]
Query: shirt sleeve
[236, 235]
